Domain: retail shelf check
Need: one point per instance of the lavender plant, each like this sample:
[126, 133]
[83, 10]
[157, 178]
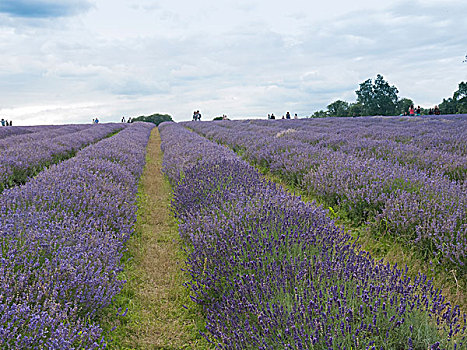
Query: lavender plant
[37, 133]
[18, 130]
[403, 176]
[62, 238]
[273, 272]
[25, 155]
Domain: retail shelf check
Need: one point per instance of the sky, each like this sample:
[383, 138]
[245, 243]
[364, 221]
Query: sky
[68, 61]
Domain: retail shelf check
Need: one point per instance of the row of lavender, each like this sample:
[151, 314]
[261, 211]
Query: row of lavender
[433, 145]
[62, 238]
[25, 155]
[271, 271]
[425, 209]
[19, 130]
[37, 133]
[430, 144]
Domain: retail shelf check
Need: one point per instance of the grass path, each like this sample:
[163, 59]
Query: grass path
[154, 293]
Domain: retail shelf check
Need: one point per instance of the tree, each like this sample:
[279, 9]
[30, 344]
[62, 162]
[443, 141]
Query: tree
[461, 93]
[365, 96]
[403, 105]
[153, 118]
[356, 110]
[379, 98]
[320, 114]
[457, 103]
[338, 109]
[448, 106]
[462, 108]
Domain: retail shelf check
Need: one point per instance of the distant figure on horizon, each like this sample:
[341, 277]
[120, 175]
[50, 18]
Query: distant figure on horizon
[11, 123]
[196, 115]
[96, 121]
[436, 110]
[295, 116]
[273, 116]
[3, 122]
[123, 119]
[287, 115]
[411, 111]
[418, 111]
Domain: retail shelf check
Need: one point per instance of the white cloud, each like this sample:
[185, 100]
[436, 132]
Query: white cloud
[122, 57]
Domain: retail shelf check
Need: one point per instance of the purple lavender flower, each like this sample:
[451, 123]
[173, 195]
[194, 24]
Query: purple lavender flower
[271, 271]
[62, 235]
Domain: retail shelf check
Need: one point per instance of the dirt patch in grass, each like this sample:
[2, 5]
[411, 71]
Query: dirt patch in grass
[154, 293]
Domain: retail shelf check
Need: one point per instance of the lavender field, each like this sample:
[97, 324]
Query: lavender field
[402, 176]
[273, 272]
[27, 150]
[63, 234]
[266, 269]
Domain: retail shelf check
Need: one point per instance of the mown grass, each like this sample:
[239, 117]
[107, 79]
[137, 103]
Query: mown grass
[159, 311]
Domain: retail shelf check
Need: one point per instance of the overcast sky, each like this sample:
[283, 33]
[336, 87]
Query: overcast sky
[67, 61]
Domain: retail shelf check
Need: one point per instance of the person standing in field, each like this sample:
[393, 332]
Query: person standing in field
[199, 115]
[287, 115]
[3, 122]
[411, 111]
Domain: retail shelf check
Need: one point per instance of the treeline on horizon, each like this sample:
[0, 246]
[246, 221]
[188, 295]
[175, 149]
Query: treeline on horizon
[153, 118]
[380, 98]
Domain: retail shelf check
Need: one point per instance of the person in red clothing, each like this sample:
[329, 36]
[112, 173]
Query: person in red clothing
[411, 111]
